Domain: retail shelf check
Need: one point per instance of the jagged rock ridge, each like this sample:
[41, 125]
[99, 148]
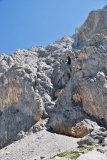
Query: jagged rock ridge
[58, 86]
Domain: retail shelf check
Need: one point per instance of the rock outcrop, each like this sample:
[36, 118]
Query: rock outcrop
[63, 84]
[93, 30]
[96, 136]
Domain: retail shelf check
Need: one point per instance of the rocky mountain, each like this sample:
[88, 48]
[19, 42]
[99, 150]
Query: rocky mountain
[62, 87]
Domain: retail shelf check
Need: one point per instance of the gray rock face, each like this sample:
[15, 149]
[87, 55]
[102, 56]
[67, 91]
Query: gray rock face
[105, 142]
[20, 105]
[93, 30]
[66, 83]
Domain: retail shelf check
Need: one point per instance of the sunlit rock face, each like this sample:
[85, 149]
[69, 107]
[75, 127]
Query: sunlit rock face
[20, 105]
[62, 84]
[93, 29]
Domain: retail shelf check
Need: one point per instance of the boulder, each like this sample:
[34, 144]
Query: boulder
[96, 136]
[104, 142]
[80, 129]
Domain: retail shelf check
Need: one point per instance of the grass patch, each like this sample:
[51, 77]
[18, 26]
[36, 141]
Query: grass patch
[71, 154]
[82, 148]
[74, 155]
[88, 148]
[63, 154]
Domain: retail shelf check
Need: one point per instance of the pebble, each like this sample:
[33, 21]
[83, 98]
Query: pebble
[102, 150]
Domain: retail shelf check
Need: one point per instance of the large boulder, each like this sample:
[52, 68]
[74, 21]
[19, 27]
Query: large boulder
[79, 130]
[96, 136]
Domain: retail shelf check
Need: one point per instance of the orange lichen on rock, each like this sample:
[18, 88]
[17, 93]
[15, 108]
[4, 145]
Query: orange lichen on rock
[102, 98]
[79, 130]
[37, 118]
[77, 98]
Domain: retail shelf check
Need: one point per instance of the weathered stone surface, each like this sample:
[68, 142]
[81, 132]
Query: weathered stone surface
[65, 82]
[80, 130]
[93, 29]
[83, 79]
[104, 142]
[20, 105]
[96, 136]
[93, 155]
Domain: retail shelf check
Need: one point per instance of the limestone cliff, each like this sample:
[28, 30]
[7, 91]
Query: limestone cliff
[62, 84]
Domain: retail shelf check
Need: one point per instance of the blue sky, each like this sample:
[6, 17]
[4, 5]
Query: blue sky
[27, 23]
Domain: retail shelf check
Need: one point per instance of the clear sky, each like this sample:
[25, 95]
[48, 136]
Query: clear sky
[27, 23]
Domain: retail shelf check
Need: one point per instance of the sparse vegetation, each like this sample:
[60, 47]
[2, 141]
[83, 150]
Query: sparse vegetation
[88, 148]
[75, 154]
[63, 154]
